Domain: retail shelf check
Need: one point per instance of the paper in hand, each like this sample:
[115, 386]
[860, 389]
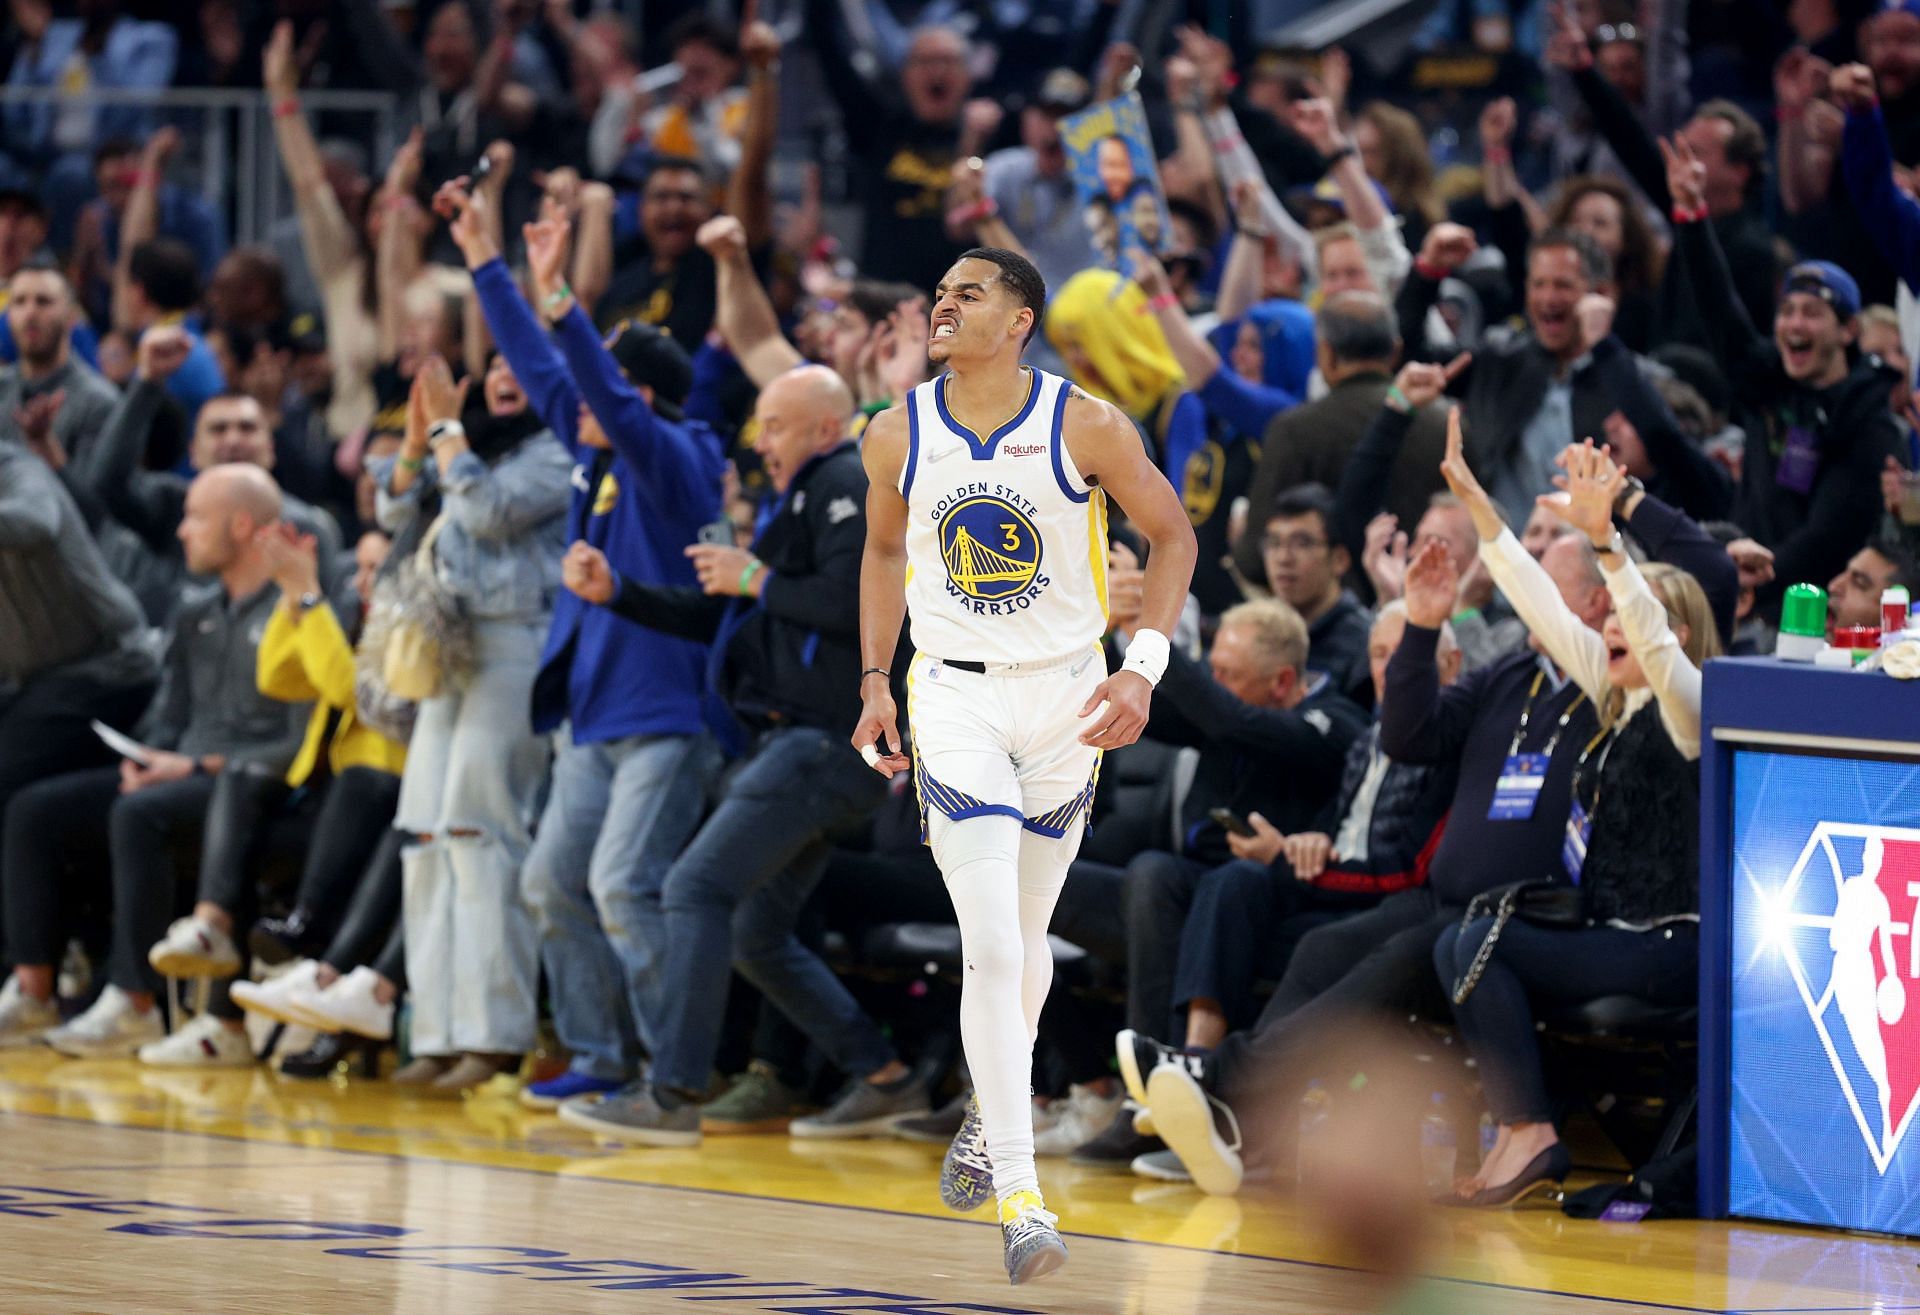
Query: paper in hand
[125, 746]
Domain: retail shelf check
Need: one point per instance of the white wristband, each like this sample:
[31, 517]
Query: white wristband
[1147, 654]
[443, 429]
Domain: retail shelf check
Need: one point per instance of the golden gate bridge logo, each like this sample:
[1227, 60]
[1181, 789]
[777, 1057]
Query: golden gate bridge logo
[991, 549]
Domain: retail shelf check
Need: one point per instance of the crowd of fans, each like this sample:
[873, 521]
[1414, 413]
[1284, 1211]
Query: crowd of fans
[474, 563]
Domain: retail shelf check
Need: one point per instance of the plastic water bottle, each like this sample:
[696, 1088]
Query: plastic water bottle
[1438, 1153]
[1489, 1134]
[1315, 1107]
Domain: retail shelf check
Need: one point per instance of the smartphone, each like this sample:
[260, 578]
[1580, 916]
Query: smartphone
[717, 533]
[1231, 822]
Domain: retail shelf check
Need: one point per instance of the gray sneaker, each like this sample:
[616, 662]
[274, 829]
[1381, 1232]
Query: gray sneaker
[937, 1128]
[758, 1102]
[1032, 1244]
[633, 1114]
[864, 1110]
[966, 1175]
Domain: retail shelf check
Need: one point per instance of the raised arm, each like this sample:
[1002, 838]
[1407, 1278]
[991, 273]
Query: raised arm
[1368, 474]
[141, 220]
[742, 313]
[1810, 130]
[401, 225]
[1586, 503]
[1613, 117]
[1890, 216]
[1579, 650]
[749, 197]
[475, 228]
[1741, 349]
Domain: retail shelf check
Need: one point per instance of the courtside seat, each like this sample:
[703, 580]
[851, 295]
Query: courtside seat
[934, 948]
[1626, 1018]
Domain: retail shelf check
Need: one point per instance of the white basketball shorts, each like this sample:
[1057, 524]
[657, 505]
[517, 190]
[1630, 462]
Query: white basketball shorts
[1006, 741]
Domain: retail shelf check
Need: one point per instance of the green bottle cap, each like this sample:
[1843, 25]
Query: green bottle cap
[1804, 612]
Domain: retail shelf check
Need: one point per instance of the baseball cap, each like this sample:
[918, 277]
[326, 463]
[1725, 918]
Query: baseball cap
[1827, 281]
[650, 358]
[1063, 91]
[304, 332]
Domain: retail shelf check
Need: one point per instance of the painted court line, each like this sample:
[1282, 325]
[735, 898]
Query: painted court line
[949, 1219]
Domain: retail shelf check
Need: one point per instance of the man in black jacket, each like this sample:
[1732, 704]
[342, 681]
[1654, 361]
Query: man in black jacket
[1272, 741]
[783, 619]
[1814, 408]
[1529, 396]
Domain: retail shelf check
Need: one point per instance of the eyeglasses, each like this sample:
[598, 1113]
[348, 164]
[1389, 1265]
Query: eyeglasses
[1607, 33]
[1292, 545]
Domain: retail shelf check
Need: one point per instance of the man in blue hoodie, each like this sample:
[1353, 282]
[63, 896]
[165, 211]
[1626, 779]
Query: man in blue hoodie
[629, 781]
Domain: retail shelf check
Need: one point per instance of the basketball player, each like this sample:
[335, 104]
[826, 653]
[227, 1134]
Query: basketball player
[987, 522]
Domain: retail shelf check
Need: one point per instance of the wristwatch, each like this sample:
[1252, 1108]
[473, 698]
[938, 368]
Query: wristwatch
[1615, 546]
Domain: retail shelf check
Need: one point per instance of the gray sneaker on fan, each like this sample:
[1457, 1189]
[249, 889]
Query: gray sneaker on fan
[937, 1128]
[634, 1114]
[966, 1175]
[866, 1110]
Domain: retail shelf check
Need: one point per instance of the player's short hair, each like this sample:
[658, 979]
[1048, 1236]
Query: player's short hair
[1278, 631]
[1021, 277]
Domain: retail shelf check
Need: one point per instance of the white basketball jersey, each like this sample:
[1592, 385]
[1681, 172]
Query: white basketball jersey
[1006, 544]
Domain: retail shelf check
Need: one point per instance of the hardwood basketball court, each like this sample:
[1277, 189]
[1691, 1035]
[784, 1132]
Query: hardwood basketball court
[130, 1189]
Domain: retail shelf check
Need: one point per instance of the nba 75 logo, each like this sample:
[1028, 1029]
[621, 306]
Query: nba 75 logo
[1860, 982]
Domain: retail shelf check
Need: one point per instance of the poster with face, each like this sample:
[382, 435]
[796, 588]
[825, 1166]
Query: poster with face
[1121, 200]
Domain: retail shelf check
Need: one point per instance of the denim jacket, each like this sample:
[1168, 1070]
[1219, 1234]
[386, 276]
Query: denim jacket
[506, 530]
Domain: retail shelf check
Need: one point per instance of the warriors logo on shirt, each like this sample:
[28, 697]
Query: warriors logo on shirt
[992, 553]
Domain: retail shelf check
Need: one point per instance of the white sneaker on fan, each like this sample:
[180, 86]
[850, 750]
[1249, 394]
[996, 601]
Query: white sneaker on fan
[112, 1027]
[206, 1042]
[194, 948]
[23, 1019]
[349, 1005]
[285, 997]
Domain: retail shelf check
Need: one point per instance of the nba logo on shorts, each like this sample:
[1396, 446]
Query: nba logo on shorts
[1843, 922]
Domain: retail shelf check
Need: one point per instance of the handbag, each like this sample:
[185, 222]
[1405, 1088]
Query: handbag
[1544, 902]
[426, 643]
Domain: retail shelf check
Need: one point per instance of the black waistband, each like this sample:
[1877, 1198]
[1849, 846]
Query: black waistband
[977, 668]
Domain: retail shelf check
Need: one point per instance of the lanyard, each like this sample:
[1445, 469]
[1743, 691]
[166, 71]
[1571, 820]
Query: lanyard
[1611, 735]
[1526, 716]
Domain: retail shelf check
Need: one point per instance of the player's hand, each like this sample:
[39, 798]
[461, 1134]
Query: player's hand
[1263, 846]
[1119, 710]
[1308, 852]
[584, 570]
[879, 727]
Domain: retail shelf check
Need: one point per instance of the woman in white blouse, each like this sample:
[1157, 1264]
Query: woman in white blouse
[1633, 836]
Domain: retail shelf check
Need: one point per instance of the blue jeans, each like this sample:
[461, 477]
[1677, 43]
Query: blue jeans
[736, 893]
[1562, 965]
[474, 771]
[618, 814]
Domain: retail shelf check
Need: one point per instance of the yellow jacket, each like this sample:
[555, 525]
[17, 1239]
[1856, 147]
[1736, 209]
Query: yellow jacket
[310, 658]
